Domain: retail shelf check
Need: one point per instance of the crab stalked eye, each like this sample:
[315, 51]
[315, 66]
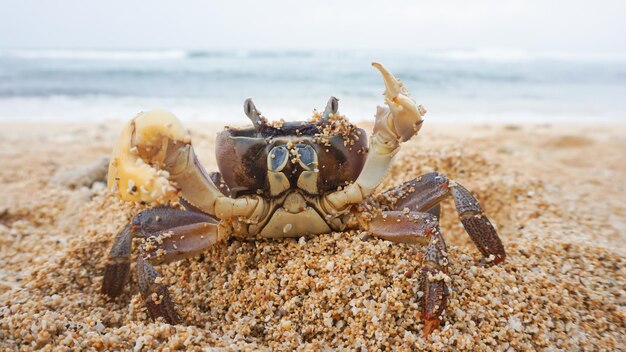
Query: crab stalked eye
[277, 158]
[308, 157]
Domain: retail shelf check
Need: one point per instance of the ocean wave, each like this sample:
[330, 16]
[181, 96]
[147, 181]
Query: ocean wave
[101, 108]
[105, 55]
[511, 55]
[495, 55]
[50, 54]
[201, 54]
[178, 77]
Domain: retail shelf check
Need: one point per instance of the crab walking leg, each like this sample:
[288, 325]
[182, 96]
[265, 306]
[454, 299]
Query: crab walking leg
[396, 123]
[426, 191]
[477, 225]
[435, 211]
[432, 282]
[174, 244]
[163, 218]
[153, 160]
[420, 229]
[117, 269]
[158, 299]
[421, 193]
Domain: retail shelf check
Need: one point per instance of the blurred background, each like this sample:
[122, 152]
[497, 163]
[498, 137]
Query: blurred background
[484, 61]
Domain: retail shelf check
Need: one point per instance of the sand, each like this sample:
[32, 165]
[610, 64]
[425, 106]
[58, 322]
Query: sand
[555, 192]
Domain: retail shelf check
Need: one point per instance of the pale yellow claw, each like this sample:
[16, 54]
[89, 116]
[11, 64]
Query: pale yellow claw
[393, 86]
[396, 123]
[135, 170]
[406, 115]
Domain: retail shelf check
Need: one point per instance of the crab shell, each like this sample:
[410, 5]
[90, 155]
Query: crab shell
[242, 158]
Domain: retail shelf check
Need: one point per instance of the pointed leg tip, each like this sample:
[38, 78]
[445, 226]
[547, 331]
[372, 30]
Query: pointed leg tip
[430, 326]
[499, 259]
[492, 260]
[110, 292]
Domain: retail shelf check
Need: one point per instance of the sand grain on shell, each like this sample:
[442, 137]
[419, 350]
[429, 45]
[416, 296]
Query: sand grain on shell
[563, 286]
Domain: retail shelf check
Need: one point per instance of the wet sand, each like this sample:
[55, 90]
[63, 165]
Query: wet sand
[556, 193]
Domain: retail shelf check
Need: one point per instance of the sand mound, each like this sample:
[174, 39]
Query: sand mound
[562, 286]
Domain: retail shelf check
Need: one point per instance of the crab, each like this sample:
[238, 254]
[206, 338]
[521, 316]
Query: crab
[283, 180]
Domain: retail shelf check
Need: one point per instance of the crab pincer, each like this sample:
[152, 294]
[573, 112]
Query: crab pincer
[404, 116]
[136, 171]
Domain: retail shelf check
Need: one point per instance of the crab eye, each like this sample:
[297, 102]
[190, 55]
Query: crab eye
[308, 157]
[277, 158]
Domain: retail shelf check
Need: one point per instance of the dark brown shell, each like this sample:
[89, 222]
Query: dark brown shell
[341, 165]
[242, 161]
[242, 155]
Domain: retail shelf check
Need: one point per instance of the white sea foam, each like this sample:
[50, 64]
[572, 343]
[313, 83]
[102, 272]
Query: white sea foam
[55, 54]
[483, 54]
[519, 55]
[486, 85]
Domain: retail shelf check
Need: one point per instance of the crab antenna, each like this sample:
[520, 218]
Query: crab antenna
[331, 108]
[253, 114]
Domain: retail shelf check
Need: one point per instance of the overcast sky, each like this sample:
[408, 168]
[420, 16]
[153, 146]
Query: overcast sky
[572, 26]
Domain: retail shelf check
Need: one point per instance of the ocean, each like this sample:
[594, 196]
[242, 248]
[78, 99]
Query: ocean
[481, 86]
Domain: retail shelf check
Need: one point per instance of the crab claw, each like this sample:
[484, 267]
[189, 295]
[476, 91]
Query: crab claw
[406, 114]
[135, 172]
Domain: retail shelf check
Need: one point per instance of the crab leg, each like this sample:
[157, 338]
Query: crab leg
[179, 242]
[117, 269]
[158, 299]
[172, 245]
[426, 191]
[153, 161]
[420, 229]
[396, 123]
[435, 211]
[163, 218]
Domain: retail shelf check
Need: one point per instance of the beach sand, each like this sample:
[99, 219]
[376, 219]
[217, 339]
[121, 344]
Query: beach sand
[556, 193]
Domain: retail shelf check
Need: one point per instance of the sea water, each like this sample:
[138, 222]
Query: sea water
[483, 86]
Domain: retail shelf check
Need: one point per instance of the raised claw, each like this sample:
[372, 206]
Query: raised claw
[135, 171]
[394, 124]
[406, 115]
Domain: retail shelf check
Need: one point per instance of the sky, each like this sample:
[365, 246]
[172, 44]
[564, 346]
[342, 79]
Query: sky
[573, 26]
